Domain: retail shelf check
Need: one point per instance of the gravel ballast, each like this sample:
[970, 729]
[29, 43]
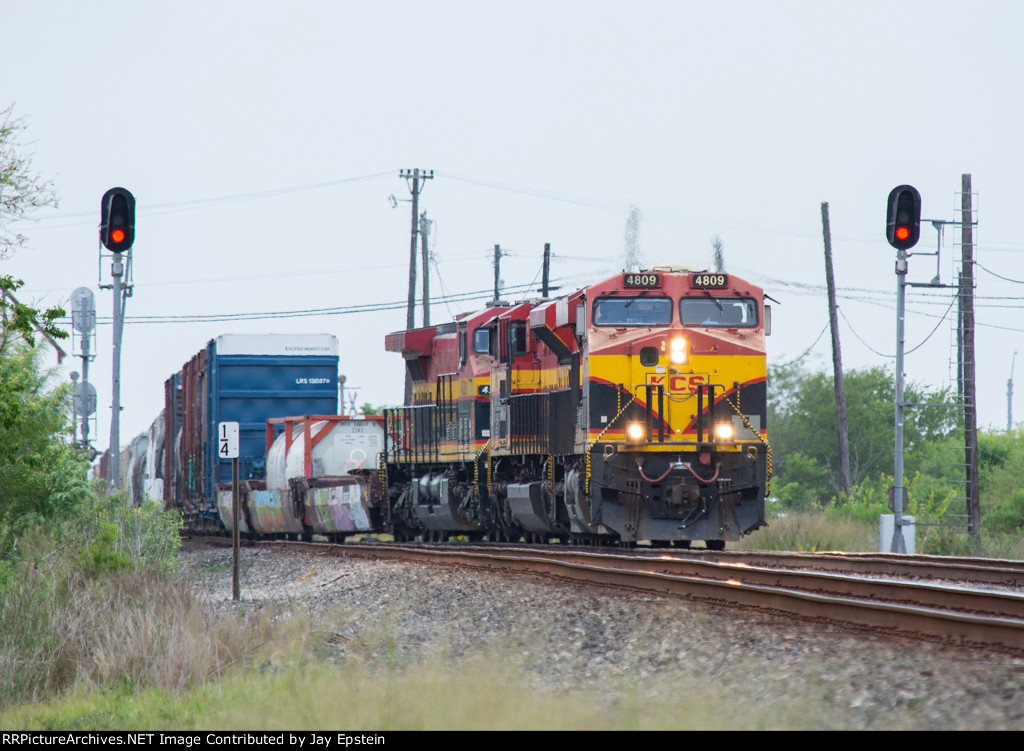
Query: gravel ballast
[568, 637]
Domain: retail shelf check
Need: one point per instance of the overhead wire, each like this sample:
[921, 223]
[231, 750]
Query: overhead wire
[909, 351]
[200, 203]
[301, 313]
[807, 351]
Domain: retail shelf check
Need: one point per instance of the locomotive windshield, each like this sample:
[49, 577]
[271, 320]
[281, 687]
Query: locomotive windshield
[632, 311]
[730, 312]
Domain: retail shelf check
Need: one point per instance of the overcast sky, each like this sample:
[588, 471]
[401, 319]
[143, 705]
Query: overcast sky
[543, 122]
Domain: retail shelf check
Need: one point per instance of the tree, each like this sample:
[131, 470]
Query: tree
[21, 189]
[802, 426]
[41, 476]
[20, 321]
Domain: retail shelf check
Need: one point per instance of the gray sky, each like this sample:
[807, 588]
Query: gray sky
[543, 122]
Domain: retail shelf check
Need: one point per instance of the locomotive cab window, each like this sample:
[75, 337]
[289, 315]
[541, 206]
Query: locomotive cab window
[482, 341]
[728, 312]
[632, 311]
[517, 335]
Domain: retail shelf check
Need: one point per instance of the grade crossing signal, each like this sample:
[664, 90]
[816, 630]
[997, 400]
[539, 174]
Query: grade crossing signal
[903, 221]
[117, 220]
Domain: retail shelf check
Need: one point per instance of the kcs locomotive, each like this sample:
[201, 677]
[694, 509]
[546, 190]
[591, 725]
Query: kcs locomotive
[632, 409]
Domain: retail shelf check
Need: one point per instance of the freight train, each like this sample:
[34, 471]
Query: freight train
[630, 410]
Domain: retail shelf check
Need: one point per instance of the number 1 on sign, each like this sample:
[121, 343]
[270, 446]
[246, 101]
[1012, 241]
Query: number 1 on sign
[227, 440]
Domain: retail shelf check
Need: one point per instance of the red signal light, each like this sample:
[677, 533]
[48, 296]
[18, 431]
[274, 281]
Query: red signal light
[117, 220]
[903, 217]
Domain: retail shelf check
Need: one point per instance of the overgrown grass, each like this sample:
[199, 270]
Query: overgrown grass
[482, 692]
[98, 633]
[96, 605]
[835, 529]
[812, 531]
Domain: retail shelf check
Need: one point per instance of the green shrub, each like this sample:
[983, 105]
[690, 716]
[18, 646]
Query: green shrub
[91, 601]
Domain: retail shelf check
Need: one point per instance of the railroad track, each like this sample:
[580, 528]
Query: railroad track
[923, 597]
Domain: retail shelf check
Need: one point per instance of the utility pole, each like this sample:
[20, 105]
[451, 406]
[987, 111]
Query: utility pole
[970, 393]
[497, 271]
[424, 232]
[837, 356]
[413, 178]
[547, 269]
[1009, 396]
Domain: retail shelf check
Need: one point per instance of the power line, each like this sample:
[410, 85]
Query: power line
[481, 295]
[535, 192]
[998, 276]
[200, 203]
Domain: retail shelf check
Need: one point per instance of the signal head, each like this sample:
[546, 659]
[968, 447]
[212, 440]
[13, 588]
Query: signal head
[903, 220]
[117, 220]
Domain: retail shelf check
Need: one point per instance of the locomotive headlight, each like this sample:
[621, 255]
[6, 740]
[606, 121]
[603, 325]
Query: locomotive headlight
[635, 431]
[678, 353]
[724, 431]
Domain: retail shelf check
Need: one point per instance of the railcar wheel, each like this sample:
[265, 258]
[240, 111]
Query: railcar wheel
[715, 544]
[681, 544]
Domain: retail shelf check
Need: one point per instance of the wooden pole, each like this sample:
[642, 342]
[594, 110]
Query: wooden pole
[837, 358]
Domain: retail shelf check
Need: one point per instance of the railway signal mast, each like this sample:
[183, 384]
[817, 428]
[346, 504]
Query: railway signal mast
[902, 230]
[117, 234]
[83, 320]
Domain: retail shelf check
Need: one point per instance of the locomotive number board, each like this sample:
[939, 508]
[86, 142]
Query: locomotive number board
[714, 281]
[641, 280]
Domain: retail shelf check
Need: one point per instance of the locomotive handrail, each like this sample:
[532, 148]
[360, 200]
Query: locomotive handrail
[757, 434]
[591, 444]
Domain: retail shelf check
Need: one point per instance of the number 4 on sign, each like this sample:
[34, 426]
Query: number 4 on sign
[227, 440]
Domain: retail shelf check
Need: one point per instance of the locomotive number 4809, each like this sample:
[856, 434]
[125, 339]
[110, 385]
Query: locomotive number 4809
[710, 280]
[641, 280]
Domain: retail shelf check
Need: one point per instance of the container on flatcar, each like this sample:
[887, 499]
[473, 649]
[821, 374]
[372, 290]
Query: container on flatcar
[309, 488]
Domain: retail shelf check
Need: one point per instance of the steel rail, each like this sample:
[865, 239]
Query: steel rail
[978, 570]
[952, 614]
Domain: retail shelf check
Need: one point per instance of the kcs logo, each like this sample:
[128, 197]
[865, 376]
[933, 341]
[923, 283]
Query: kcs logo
[678, 384]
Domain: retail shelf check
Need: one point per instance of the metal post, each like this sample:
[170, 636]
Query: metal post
[114, 456]
[85, 380]
[898, 545]
[235, 588]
